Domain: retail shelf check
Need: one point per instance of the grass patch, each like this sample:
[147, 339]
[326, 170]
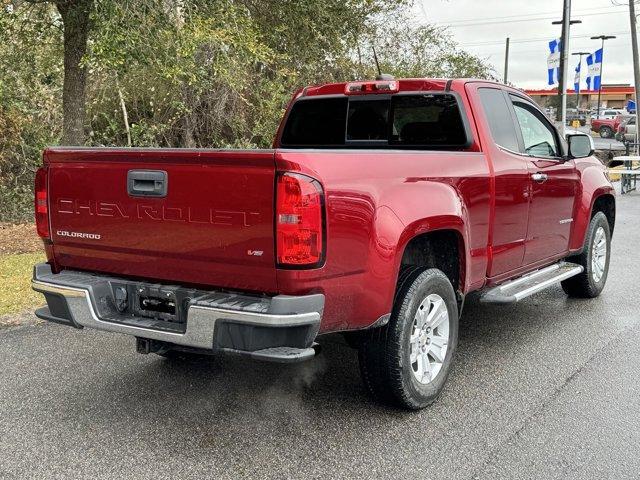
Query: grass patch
[15, 282]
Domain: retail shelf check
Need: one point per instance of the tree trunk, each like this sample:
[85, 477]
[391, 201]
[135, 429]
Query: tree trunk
[75, 16]
[125, 115]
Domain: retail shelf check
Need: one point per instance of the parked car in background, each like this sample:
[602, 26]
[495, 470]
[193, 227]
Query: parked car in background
[607, 128]
[627, 131]
[608, 114]
[575, 114]
[550, 112]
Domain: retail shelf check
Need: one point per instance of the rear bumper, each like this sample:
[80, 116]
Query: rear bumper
[280, 328]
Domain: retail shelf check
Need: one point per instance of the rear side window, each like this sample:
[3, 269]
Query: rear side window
[429, 120]
[313, 123]
[499, 117]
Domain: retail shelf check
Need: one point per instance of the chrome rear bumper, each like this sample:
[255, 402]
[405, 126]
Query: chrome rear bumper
[216, 321]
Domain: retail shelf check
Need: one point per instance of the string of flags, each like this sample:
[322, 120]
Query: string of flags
[594, 64]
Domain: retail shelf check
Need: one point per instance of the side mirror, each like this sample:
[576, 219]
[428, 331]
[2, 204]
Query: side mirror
[580, 145]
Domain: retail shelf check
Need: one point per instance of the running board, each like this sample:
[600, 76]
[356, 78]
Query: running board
[525, 286]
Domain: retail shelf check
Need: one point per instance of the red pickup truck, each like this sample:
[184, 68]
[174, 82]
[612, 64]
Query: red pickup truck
[608, 127]
[380, 207]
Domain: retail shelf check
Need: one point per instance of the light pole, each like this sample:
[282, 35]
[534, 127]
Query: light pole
[603, 38]
[582, 54]
[506, 61]
[636, 66]
[566, 22]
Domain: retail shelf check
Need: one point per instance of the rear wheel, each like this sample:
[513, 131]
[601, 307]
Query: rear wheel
[595, 260]
[406, 363]
[606, 132]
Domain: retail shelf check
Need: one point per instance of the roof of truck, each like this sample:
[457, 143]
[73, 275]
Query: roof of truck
[402, 85]
[409, 84]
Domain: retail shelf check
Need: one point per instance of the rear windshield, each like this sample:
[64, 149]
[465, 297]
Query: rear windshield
[430, 120]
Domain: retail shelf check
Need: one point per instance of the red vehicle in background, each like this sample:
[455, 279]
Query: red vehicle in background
[380, 207]
[607, 128]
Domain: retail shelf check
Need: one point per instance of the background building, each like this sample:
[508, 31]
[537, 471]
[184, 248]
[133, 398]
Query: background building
[613, 96]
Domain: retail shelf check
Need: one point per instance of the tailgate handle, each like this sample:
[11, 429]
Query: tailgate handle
[147, 183]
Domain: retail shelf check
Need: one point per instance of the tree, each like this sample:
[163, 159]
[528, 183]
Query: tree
[76, 16]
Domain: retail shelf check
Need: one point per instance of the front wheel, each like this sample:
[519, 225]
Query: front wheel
[595, 260]
[606, 132]
[406, 362]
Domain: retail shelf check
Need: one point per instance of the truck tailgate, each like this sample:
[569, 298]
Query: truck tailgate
[213, 226]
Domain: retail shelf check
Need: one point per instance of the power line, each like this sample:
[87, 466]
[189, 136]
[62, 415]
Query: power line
[528, 40]
[523, 16]
[497, 22]
[539, 50]
[519, 15]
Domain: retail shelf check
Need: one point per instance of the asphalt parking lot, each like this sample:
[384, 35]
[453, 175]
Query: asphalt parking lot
[548, 388]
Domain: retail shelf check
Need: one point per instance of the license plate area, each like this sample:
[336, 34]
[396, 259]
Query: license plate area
[156, 306]
[159, 302]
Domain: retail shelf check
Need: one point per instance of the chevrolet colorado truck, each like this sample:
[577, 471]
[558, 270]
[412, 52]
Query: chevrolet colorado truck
[381, 205]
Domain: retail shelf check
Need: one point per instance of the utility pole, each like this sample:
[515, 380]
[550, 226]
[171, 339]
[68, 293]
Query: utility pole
[636, 64]
[506, 61]
[582, 54]
[566, 22]
[603, 38]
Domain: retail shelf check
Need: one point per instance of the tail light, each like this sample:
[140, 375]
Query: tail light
[41, 203]
[299, 221]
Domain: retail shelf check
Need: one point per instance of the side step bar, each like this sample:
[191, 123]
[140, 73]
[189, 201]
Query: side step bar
[525, 286]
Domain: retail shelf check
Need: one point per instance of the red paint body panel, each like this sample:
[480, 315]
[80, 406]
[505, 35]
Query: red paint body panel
[377, 201]
[220, 207]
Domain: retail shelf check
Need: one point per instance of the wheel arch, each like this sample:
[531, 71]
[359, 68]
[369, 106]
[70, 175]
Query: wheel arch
[594, 199]
[444, 249]
[605, 203]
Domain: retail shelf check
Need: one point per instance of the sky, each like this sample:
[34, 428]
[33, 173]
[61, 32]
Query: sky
[481, 26]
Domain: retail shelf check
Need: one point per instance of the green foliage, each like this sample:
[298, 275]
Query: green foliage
[30, 110]
[201, 73]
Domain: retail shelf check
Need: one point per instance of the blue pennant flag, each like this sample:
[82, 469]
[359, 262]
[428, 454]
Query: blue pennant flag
[594, 62]
[576, 80]
[553, 61]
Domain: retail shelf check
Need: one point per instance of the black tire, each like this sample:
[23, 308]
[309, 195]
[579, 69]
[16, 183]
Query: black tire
[605, 132]
[585, 285]
[385, 356]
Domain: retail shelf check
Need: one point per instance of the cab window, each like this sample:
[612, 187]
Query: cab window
[429, 120]
[538, 135]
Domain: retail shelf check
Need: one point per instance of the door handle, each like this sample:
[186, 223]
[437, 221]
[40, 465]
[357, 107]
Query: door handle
[539, 177]
[147, 183]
